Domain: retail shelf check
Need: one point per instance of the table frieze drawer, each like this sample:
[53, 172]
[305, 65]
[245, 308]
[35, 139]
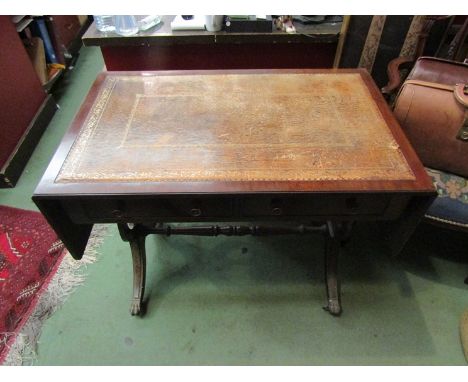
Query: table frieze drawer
[315, 205]
[107, 210]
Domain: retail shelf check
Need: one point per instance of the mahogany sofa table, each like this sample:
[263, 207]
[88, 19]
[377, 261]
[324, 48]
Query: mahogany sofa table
[313, 149]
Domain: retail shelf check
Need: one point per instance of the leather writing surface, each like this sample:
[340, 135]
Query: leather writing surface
[234, 127]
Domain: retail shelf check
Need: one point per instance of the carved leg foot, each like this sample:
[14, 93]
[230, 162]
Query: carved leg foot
[137, 245]
[135, 307]
[136, 238]
[332, 252]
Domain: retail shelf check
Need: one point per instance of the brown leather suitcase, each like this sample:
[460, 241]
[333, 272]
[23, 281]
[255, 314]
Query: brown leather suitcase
[440, 71]
[432, 108]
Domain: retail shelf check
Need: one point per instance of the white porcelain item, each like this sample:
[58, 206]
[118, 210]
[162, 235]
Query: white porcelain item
[214, 23]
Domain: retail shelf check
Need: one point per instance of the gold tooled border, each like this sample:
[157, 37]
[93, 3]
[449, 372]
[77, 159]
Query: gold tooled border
[90, 125]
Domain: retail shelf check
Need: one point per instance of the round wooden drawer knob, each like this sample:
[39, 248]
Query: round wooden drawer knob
[195, 212]
[276, 211]
[117, 213]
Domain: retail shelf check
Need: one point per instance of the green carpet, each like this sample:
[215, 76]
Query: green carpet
[251, 301]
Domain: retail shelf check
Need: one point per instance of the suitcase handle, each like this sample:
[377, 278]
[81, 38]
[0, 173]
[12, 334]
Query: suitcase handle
[458, 90]
[460, 94]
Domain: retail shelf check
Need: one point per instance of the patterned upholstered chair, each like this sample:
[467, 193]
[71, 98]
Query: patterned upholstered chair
[450, 208]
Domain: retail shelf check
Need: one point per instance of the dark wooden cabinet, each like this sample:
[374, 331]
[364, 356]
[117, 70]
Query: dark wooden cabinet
[26, 85]
[160, 48]
[25, 107]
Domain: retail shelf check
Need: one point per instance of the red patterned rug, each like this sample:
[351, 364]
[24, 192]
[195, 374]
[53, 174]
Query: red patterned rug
[30, 254]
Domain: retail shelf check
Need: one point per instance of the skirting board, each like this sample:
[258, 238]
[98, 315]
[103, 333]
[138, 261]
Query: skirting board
[11, 171]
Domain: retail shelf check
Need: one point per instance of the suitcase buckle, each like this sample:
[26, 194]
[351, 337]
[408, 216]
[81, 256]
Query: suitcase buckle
[463, 132]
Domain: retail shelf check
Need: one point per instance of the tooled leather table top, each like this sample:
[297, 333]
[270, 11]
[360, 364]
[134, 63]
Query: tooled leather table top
[234, 127]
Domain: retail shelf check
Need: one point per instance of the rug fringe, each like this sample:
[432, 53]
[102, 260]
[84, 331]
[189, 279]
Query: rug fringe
[70, 274]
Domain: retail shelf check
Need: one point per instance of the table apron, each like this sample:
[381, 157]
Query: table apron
[235, 208]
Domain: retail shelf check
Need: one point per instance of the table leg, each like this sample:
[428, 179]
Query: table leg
[336, 234]
[334, 240]
[136, 237]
